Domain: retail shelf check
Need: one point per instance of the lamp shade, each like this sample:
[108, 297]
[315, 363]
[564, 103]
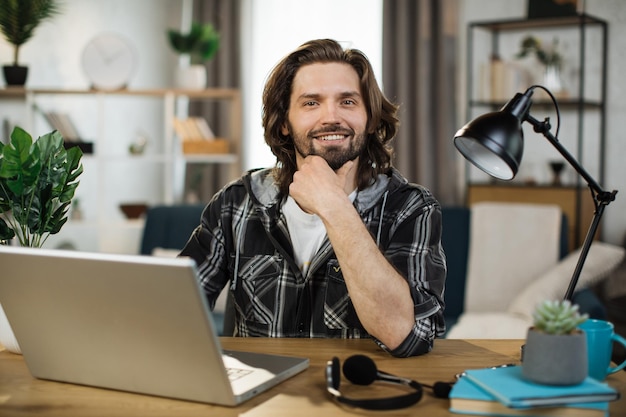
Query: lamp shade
[494, 142]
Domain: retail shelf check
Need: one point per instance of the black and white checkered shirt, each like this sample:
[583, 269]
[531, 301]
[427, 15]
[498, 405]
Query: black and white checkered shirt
[243, 242]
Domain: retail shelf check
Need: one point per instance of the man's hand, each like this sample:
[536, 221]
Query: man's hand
[316, 187]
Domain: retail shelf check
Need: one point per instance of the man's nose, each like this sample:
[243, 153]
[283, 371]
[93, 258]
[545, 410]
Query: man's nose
[330, 113]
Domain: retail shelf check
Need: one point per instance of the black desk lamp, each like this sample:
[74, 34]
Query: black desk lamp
[494, 142]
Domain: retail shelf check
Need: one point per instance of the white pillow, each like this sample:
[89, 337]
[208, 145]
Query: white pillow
[489, 326]
[602, 259]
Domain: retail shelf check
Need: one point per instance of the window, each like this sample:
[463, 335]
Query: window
[273, 28]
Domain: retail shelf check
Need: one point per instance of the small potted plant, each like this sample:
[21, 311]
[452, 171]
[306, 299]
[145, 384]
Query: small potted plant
[199, 45]
[549, 57]
[18, 21]
[555, 352]
[37, 183]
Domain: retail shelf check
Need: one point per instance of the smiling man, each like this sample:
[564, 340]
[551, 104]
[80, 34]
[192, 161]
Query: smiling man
[332, 241]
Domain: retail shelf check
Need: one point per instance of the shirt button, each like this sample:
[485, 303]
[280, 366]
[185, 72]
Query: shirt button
[301, 327]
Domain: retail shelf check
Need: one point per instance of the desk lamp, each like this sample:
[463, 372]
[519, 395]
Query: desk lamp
[494, 142]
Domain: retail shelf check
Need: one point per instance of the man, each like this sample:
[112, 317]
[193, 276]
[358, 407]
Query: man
[332, 241]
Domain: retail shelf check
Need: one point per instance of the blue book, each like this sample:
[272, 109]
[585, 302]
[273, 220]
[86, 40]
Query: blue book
[468, 398]
[509, 387]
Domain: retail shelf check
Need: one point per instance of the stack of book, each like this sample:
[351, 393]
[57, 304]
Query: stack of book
[504, 392]
[62, 123]
[196, 136]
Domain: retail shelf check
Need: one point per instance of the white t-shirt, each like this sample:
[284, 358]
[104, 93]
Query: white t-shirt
[306, 230]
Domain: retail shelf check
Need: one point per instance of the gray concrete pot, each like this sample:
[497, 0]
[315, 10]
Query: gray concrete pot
[555, 359]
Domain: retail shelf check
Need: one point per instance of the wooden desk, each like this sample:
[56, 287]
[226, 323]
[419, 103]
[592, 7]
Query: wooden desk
[305, 394]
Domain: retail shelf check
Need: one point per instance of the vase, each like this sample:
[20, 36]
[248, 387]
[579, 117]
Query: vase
[552, 79]
[192, 77]
[551, 359]
[15, 75]
[7, 338]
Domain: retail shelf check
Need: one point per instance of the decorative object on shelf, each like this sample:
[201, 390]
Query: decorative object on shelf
[557, 169]
[555, 352]
[133, 210]
[138, 146]
[37, 183]
[109, 61]
[18, 21]
[551, 60]
[200, 44]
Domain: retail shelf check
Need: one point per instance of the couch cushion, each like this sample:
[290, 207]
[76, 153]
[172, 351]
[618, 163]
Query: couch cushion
[602, 259]
[510, 245]
[489, 326]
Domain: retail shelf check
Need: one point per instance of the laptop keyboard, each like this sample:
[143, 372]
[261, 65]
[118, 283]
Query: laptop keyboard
[236, 373]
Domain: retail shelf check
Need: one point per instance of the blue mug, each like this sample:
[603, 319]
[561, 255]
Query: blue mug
[600, 338]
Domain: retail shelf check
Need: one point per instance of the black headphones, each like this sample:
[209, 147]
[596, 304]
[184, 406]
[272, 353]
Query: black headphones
[361, 370]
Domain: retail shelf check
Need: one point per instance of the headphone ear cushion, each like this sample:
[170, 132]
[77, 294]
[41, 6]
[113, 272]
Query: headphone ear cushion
[335, 373]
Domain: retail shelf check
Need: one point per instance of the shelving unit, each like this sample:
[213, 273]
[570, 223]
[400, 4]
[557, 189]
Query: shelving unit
[583, 109]
[112, 174]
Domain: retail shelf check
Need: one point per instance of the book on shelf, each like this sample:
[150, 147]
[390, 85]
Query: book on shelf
[467, 398]
[63, 124]
[507, 385]
[196, 137]
[193, 128]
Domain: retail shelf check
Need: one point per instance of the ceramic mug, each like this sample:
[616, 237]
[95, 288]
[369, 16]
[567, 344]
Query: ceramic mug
[600, 338]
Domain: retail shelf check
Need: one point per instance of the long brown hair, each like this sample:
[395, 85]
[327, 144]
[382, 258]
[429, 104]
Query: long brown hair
[382, 114]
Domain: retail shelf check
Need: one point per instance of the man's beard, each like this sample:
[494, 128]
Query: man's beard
[335, 156]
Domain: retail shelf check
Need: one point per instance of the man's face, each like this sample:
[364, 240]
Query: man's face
[327, 115]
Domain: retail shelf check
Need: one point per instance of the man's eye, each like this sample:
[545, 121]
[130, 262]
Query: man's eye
[310, 103]
[348, 102]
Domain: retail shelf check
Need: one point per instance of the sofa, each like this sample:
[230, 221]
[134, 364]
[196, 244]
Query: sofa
[550, 284]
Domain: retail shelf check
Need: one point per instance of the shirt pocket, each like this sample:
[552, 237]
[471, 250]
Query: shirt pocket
[255, 292]
[339, 313]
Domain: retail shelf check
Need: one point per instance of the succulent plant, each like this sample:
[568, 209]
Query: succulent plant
[557, 317]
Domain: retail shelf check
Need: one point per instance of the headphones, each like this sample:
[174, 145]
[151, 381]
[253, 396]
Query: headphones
[361, 370]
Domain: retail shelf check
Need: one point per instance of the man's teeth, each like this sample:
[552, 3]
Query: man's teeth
[332, 137]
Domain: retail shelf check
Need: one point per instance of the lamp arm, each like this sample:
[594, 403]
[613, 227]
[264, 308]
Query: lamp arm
[544, 129]
[584, 250]
[602, 198]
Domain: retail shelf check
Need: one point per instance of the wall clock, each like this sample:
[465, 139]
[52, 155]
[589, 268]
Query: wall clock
[109, 61]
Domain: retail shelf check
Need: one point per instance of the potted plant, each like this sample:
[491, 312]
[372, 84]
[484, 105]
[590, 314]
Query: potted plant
[549, 57]
[37, 183]
[18, 21]
[199, 45]
[555, 352]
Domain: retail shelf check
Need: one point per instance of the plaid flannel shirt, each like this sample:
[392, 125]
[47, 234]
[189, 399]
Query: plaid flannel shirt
[243, 242]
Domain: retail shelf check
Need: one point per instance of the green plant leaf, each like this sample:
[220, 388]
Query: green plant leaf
[202, 41]
[37, 183]
[20, 18]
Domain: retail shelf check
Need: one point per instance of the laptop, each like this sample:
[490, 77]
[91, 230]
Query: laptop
[127, 322]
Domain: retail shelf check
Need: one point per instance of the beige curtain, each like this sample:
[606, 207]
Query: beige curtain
[419, 67]
[223, 71]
